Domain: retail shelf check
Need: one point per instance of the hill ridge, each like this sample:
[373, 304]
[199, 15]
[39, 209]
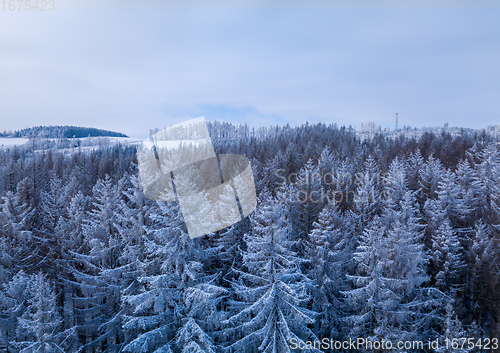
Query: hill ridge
[61, 131]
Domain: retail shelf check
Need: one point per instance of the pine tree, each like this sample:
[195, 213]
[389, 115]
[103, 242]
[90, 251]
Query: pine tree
[331, 256]
[40, 326]
[495, 198]
[451, 339]
[306, 206]
[344, 185]
[486, 181]
[452, 198]
[70, 232]
[415, 164]
[327, 165]
[390, 300]
[275, 172]
[367, 197]
[367, 299]
[13, 295]
[52, 206]
[395, 186]
[271, 291]
[192, 339]
[471, 194]
[447, 261]
[99, 272]
[132, 219]
[173, 268]
[22, 248]
[429, 177]
[434, 216]
[230, 241]
[483, 283]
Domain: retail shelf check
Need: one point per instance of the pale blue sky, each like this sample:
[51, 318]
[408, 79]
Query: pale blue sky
[131, 66]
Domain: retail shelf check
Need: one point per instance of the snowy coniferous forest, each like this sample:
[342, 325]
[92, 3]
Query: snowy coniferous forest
[387, 238]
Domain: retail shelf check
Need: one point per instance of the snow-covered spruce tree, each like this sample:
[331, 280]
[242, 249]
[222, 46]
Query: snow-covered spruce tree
[51, 207]
[192, 339]
[368, 298]
[415, 164]
[98, 273]
[12, 306]
[201, 297]
[132, 218]
[271, 289]
[390, 300]
[395, 188]
[466, 177]
[173, 289]
[483, 282]
[52, 232]
[429, 178]
[307, 204]
[452, 331]
[367, 196]
[327, 164]
[229, 244]
[333, 243]
[344, 185]
[201, 316]
[418, 303]
[486, 182]
[30, 319]
[434, 216]
[131, 222]
[6, 259]
[495, 198]
[275, 172]
[447, 260]
[40, 327]
[70, 232]
[452, 197]
[16, 236]
[153, 322]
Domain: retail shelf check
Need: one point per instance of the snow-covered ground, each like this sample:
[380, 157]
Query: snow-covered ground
[12, 141]
[92, 143]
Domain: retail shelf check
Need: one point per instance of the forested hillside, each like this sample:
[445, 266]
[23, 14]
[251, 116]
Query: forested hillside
[388, 238]
[61, 132]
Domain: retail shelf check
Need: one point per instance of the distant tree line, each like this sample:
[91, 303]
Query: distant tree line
[61, 132]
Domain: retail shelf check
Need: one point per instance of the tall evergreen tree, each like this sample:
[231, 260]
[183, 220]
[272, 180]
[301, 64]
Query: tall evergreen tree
[271, 290]
[447, 260]
[99, 275]
[173, 268]
[334, 241]
[40, 327]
